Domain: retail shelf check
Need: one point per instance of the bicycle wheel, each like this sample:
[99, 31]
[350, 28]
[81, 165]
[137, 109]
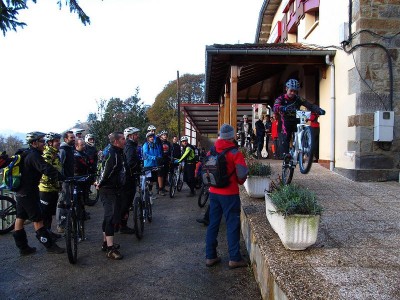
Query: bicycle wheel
[71, 237]
[172, 186]
[148, 208]
[81, 230]
[203, 196]
[179, 184]
[8, 214]
[93, 196]
[138, 219]
[287, 172]
[307, 152]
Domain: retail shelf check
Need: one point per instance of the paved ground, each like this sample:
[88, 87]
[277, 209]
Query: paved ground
[168, 263]
[357, 254]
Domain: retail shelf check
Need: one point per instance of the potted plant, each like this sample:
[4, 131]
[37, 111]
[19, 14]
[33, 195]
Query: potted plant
[258, 180]
[294, 215]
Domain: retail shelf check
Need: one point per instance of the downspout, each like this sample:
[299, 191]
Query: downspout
[332, 109]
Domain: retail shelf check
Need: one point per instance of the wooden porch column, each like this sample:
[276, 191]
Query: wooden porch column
[227, 108]
[221, 115]
[233, 90]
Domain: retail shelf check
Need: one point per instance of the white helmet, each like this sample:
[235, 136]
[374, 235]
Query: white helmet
[184, 138]
[150, 134]
[88, 137]
[77, 130]
[130, 130]
[151, 127]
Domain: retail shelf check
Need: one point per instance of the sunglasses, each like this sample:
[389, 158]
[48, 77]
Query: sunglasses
[41, 141]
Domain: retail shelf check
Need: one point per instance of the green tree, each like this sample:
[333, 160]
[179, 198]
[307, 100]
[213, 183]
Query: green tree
[10, 9]
[10, 144]
[116, 115]
[164, 112]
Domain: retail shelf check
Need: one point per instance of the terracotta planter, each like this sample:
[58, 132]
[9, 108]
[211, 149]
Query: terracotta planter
[257, 185]
[297, 232]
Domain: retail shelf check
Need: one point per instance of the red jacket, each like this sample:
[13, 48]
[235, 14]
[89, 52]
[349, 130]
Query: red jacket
[274, 129]
[236, 166]
[314, 120]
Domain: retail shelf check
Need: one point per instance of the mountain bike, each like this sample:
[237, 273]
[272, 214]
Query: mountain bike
[176, 181]
[75, 225]
[204, 194]
[8, 213]
[142, 206]
[301, 151]
[248, 144]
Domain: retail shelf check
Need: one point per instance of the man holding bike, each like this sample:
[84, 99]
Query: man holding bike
[189, 168]
[286, 106]
[133, 166]
[110, 183]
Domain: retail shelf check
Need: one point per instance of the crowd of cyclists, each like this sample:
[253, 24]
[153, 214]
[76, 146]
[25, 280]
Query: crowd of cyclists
[52, 158]
[44, 196]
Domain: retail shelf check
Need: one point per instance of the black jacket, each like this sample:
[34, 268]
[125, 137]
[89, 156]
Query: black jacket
[81, 163]
[167, 150]
[260, 128]
[250, 129]
[67, 159]
[132, 160]
[113, 173]
[176, 151]
[33, 167]
[91, 152]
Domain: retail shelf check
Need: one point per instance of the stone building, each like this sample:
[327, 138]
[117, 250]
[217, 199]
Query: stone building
[345, 54]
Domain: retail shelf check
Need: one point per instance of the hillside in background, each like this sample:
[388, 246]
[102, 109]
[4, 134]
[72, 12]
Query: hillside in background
[7, 133]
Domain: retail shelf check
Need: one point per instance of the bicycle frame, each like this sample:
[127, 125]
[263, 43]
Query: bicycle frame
[297, 147]
[298, 152]
[74, 201]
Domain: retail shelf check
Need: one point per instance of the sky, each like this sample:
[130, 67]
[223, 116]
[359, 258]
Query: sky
[55, 70]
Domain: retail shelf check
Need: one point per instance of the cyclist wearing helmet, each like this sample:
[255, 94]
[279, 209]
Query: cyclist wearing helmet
[286, 105]
[67, 162]
[152, 156]
[167, 150]
[78, 132]
[28, 197]
[246, 130]
[190, 164]
[111, 181]
[91, 152]
[49, 187]
[133, 166]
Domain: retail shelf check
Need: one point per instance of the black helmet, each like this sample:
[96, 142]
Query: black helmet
[34, 136]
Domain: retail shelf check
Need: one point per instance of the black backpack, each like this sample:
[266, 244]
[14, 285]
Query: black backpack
[214, 169]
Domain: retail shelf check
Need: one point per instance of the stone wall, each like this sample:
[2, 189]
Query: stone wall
[370, 80]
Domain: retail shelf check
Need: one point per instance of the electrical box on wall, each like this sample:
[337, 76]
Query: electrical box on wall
[343, 32]
[383, 126]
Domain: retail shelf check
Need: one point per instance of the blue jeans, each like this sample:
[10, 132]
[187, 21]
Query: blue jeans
[230, 207]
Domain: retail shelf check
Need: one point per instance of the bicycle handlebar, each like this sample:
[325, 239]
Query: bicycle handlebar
[79, 178]
[148, 169]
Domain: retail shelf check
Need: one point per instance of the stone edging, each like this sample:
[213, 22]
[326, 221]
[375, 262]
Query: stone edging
[280, 273]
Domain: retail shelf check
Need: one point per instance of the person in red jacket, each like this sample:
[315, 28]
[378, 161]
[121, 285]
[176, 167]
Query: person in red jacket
[315, 129]
[275, 135]
[227, 201]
